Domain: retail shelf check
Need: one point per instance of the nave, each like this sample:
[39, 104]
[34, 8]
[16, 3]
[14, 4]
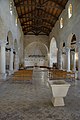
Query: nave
[45, 34]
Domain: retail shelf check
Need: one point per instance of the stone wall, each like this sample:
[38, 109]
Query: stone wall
[7, 24]
[36, 45]
[32, 38]
[71, 26]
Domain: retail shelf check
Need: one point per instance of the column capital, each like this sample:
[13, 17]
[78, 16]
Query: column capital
[60, 49]
[11, 49]
[72, 52]
[67, 49]
[2, 42]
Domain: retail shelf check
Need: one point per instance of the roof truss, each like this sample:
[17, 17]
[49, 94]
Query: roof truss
[39, 16]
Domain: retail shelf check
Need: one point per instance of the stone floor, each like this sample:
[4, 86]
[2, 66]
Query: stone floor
[24, 101]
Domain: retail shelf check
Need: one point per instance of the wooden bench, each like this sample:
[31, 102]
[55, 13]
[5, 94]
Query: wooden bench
[58, 74]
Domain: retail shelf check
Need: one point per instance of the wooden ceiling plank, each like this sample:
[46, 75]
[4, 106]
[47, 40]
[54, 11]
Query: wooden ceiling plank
[56, 2]
[20, 10]
[42, 17]
[39, 15]
[43, 20]
[26, 13]
[58, 5]
[49, 14]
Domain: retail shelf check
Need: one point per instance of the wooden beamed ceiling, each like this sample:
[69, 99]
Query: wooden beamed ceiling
[38, 17]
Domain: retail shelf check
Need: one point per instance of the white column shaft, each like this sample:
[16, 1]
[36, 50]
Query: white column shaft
[68, 59]
[3, 60]
[79, 62]
[74, 62]
[60, 59]
[11, 60]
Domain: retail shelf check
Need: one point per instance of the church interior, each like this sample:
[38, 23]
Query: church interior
[39, 59]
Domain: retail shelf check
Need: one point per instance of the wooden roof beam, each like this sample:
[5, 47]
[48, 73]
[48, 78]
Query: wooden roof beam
[18, 4]
[41, 30]
[43, 20]
[28, 33]
[44, 33]
[49, 14]
[37, 17]
[32, 11]
[55, 1]
[37, 27]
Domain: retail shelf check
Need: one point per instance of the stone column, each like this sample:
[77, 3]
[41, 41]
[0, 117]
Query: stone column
[11, 61]
[16, 63]
[74, 62]
[68, 59]
[79, 61]
[59, 58]
[3, 61]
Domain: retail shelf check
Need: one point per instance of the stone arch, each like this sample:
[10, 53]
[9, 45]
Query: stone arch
[72, 45]
[53, 52]
[68, 44]
[43, 48]
[61, 45]
[36, 53]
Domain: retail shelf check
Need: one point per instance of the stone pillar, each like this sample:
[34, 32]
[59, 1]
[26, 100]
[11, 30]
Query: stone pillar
[79, 62]
[68, 59]
[3, 62]
[74, 62]
[16, 63]
[11, 61]
[59, 58]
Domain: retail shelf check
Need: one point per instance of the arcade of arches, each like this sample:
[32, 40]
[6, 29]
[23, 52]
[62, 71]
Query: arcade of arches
[60, 48]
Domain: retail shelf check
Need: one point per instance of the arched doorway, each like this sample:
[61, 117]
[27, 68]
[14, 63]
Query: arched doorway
[71, 51]
[9, 53]
[73, 54]
[53, 53]
[36, 53]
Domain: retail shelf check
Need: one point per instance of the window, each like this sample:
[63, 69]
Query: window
[70, 11]
[61, 23]
[11, 7]
[16, 21]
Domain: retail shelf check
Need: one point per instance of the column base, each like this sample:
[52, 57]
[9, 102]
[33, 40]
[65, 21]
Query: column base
[11, 72]
[3, 76]
[68, 70]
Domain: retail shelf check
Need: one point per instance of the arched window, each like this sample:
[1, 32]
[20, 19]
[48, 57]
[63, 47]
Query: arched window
[61, 23]
[16, 21]
[70, 11]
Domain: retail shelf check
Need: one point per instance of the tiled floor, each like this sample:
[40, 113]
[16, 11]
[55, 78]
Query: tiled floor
[23, 101]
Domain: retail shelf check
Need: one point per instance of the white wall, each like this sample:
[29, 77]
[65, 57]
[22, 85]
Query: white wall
[7, 23]
[36, 53]
[32, 38]
[71, 26]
